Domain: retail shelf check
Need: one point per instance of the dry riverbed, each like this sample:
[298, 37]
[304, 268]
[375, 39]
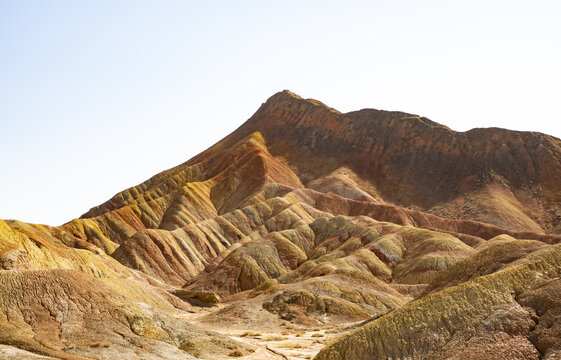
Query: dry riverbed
[273, 338]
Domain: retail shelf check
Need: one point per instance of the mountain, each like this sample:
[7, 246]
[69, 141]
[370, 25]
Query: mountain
[384, 234]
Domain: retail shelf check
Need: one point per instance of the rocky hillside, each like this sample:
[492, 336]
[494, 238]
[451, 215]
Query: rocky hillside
[428, 242]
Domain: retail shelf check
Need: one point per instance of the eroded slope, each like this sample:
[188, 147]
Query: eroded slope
[306, 217]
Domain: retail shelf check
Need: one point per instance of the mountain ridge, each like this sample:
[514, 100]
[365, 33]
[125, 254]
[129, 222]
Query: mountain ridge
[448, 141]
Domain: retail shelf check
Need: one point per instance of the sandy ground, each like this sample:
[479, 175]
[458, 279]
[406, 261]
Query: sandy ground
[273, 338]
[11, 353]
[285, 345]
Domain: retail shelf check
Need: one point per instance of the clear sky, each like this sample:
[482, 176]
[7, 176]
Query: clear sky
[97, 96]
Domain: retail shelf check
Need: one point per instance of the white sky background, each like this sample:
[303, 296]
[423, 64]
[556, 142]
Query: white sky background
[98, 96]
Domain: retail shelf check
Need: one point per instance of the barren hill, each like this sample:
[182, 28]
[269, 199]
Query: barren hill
[305, 221]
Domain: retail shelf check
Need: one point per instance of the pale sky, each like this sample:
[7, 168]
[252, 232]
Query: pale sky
[97, 96]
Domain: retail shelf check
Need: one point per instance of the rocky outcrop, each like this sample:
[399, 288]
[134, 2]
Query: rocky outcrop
[481, 318]
[69, 315]
[201, 298]
[520, 170]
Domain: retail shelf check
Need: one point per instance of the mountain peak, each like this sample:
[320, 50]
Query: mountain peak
[287, 96]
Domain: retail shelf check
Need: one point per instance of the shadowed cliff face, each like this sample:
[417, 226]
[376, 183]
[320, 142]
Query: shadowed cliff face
[308, 216]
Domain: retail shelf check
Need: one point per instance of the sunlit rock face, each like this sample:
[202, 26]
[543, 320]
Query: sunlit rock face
[428, 242]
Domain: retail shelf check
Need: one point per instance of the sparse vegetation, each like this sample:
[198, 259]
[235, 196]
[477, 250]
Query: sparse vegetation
[273, 338]
[250, 334]
[290, 345]
[101, 344]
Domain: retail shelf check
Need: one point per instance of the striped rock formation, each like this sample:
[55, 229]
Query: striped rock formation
[443, 243]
